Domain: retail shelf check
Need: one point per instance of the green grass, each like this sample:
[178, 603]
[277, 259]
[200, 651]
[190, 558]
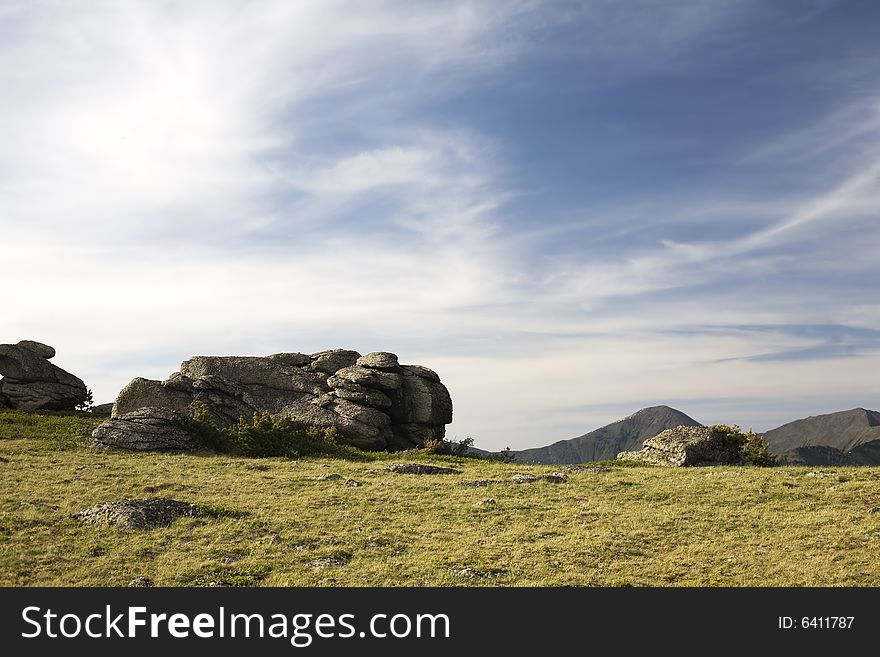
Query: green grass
[277, 526]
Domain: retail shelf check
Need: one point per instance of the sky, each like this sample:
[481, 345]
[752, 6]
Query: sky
[569, 210]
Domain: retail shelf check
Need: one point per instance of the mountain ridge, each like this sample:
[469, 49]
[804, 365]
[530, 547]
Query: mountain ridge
[607, 441]
[852, 432]
[850, 437]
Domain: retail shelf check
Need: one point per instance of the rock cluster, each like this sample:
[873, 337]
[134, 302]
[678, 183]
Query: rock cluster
[687, 446]
[373, 401]
[30, 382]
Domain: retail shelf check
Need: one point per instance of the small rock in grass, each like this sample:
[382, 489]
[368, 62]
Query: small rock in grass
[141, 582]
[327, 562]
[418, 468]
[554, 478]
[136, 514]
[585, 468]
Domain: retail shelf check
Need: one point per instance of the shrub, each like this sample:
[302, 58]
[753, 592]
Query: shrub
[752, 446]
[264, 435]
[448, 447]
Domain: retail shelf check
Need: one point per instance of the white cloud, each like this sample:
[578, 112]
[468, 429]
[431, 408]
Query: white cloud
[248, 177]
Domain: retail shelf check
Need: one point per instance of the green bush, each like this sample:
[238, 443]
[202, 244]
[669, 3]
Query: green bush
[750, 444]
[448, 447]
[263, 436]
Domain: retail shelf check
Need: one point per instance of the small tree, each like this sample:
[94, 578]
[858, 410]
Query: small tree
[87, 403]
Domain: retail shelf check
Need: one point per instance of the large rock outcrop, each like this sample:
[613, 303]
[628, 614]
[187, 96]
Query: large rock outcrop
[687, 446]
[30, 382]
[373, 401]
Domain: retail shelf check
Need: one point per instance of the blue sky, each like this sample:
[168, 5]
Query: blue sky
[570, 210]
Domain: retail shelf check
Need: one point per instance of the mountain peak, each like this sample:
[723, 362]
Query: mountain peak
[843, 430]
[606, 442]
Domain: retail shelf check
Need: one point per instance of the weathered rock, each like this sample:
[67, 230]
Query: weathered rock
[422, 399]
[148, 429]
[376, 405]
[370, 378]
[42, 350]
[687, 446]
[356, 433]
[144, 393]
[584, 468]
[358, 393]
[555, 478]
[380, 360]
[141, 582]
[333, 360]
[30, 382]
[291, 359]
[418, 468]
[137, 514]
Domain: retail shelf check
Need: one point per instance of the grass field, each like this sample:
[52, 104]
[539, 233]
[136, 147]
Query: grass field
[282, 527]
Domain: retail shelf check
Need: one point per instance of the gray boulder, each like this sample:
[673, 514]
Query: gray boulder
[148, 429]
[372, 401]
[30, 382]
[38, 348]
[687, 446]
[420, 469]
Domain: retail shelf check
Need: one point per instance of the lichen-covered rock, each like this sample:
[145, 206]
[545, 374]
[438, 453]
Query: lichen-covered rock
[687, 446]
[148, 429]
[358, 393]
[419, 469]
[30, 382]
[136, 514]
[370, 377]
[372, 401]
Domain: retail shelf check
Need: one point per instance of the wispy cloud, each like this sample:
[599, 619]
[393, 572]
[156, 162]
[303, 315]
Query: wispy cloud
[236, 177]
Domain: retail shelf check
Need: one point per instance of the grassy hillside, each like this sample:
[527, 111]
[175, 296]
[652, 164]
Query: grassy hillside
[281, 526]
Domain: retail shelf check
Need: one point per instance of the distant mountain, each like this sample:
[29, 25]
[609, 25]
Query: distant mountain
[816, 455]
[605, 443]
[853, 435]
